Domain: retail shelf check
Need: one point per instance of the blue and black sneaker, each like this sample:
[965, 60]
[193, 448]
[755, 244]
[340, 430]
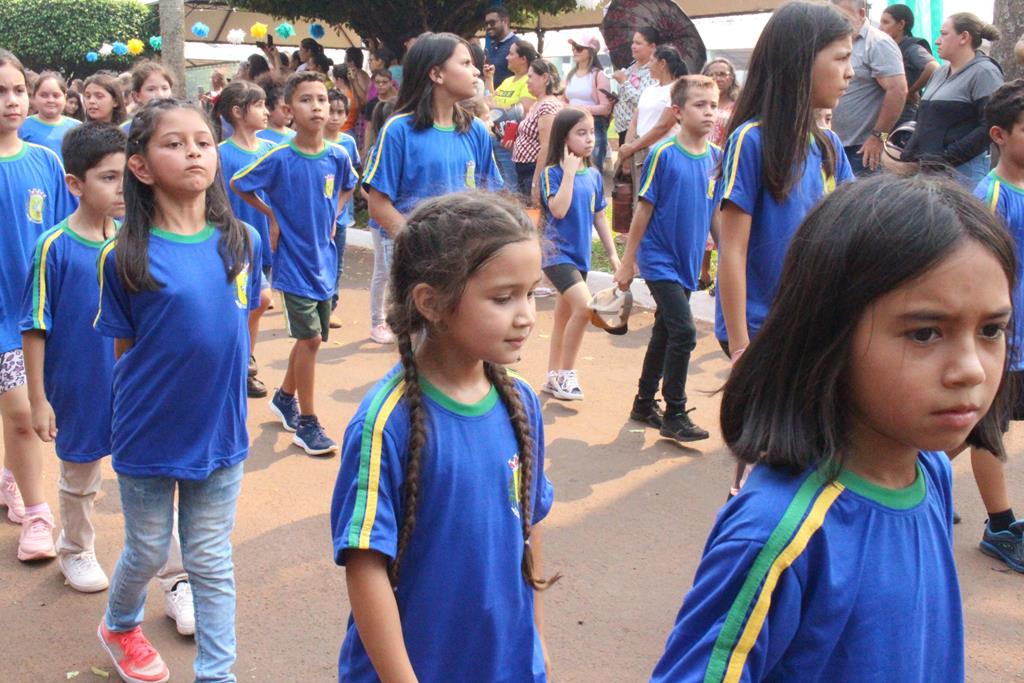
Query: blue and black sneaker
[312, 438]
[1007, 546]
[286, 408]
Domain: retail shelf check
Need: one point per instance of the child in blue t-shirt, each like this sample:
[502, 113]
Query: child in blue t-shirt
[883, 348]
[33, 197]
[675, 213]
[278, 115]
[150, 81]
[347, 218]
[243, 105]
[777, 163]
[1002, 190]
[176, 288]
[306, 182]
[442, 471]
[573, 210]
[48, 125]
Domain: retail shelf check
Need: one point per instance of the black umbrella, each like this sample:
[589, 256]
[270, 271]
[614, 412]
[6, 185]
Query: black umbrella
[624, 17]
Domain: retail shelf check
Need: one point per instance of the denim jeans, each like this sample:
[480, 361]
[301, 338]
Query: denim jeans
[382, 248]
[505, 165]
[206, 516]
[524, 179]
[340, 235]
[600, 142]
[970, 173]
[673, 339]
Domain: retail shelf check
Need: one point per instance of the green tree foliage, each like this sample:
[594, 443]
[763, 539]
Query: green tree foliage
[390, 21]
[57, 34]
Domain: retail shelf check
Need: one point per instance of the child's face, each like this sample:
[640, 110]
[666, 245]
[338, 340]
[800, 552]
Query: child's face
[697, 116]
[927, 357]
[279, 116]
[101, 189]
[1011, 143]
[256, 116]
[581, 138]
[181, 157]
[71, 106]
[13, 99]
[497, 311]
[154, 87]
[831, 73]
[309, 107]
[49, 99]
[99, 104]
[825, 118]
[457, 75]
[336, 117]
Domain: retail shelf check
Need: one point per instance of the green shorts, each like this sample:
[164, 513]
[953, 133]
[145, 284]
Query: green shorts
[306, 318]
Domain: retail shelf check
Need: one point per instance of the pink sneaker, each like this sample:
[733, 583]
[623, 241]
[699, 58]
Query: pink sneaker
[36, 541]
[135, 659]
[10, 497]
[382, 334]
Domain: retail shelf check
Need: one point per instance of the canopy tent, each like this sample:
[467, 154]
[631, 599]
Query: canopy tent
[693, 9]
[222, 19]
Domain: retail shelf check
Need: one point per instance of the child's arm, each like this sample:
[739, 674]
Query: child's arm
[538, 599]
[732, 275]
[253, 200]
[637, 228]
[44, 423]
[376, 615]
[716, 225]
[121, 346]
[384, 212]
[601, 225]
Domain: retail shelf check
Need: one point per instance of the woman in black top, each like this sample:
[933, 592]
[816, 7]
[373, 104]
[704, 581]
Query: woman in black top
[918, 62]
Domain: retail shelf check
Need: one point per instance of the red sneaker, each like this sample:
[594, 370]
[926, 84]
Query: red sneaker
[135, 659]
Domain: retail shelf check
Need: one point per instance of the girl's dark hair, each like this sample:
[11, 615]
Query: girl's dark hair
[1005, 106]
[979, 30]
[786, 402]
[778, 91]
[386, 55]
[109, 83]
[49, 76]
[415, 96]
[132, 248]
[335, 95]
[566, 118]
[446, 240]
[479, 58]
[650, 34]
[354, 55]
[273, 87]
[525, 49]
[79, 114]
[734, 89]
[241, 94]
[311, 45]
[257, 65]
[143, 70]
[673, 60]
[901, 13]
[543, 67]
[323, 63]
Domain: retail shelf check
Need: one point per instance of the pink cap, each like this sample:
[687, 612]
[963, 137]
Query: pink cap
[589, 41]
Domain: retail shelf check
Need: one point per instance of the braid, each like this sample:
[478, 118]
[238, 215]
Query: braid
[506, 386]
[417, 437]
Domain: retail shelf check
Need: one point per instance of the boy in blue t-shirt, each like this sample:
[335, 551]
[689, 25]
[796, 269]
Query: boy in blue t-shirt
[1002, 190]
[277, 130]
[666, 244]
[347, 218]
[306, 182]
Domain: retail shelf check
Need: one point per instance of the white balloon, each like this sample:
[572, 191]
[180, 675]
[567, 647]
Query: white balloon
[106, 49]
[236, 36]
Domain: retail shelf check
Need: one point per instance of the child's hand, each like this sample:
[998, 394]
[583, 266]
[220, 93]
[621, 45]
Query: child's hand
[570, 162]
[275, 234]
[623, 274]
[44, 422]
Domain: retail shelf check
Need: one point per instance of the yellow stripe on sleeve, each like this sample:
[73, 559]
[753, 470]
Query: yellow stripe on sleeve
[994, 202]
[736, 157]
[376, 447]
[380, 146]
[40, 321]
[653, 168]
[247, 169]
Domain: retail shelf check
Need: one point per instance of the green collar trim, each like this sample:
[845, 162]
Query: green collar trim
[17, 155]
[254, 150]
[897, 499]
[679, 146]
[66, 226]
[1007, 184]
[445, 129]
[37, 119]
[481, 407]
[291, 143]
[201, 236]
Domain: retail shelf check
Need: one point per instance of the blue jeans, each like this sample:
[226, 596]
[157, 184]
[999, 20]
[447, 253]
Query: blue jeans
[506, 166]
[340, 235]
[600, 143]
[206, 516]
[970, 173]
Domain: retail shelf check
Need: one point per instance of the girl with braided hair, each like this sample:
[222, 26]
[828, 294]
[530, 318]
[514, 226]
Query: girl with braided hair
[442, 471]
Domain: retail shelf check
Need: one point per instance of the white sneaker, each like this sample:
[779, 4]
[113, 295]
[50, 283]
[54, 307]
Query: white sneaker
[83, 572]
[178, 606]
[542, 292]
[568, 387]
[382, 334]
[551, 384]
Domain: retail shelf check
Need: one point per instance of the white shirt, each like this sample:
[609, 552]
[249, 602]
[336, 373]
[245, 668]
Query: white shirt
[652, 104]
[580, 89]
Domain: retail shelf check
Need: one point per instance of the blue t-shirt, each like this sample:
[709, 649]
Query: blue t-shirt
[1007, 202]
[467, 534]
[233, 158]
[802, 581]
[179, 398]
[303, 190]
[347, 216]
[60, 300]
[570, 236]
[681, 188]
[274, 136]
[772, 223]
[33, 198]
[47, 134]
[411, 165]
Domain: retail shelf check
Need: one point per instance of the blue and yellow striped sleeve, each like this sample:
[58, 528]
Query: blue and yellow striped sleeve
[648, 183]
[260, 173]
[741, 179]
[113, 319]
[384, 167]
[37, 303]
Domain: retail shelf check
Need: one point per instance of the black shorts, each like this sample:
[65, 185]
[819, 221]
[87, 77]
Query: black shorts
[565, 275]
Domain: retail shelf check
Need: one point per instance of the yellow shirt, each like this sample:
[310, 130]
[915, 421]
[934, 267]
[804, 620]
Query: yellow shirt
[510, 91]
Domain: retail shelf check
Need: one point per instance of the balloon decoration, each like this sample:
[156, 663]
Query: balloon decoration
[200, 30]
[285, 31]
[92, 56]
[135, 46]
[156, 42]
[317, 31]
[106, 49]
[236, 36]
[120, 49]
[258, 30]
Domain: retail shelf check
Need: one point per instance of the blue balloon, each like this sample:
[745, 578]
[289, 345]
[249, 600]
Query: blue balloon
[92, 56]
[120, 49]
[317, 31]
[200, 30]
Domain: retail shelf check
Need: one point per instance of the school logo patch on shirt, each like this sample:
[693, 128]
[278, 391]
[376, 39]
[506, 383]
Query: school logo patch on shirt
[36, 199]
[471, 175]
[711, 188]
[329, 185]
[828, 182]
[242, 288]
[513, 488]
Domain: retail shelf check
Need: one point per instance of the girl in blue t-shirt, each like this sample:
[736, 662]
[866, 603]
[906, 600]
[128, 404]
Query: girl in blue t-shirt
[777, 163]
[572, 210]
[243, 104]
[48, 125]
[176, 288]
[103, 99]
[442, 471]
[882, 350]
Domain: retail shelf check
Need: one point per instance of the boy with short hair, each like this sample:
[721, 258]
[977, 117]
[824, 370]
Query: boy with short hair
[1002, 190]
[666, 243]
[347, 218]
[277, 130]
[306, 182]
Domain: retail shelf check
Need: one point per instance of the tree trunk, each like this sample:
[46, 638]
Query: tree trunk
[1009, 19]
[172, 32]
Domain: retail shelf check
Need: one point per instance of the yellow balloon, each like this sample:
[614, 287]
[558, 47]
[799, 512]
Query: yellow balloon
[258, 30]
[135, 46]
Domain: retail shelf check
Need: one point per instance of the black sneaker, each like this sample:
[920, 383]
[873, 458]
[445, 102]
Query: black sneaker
[255, 388]
[647, 411]
[679, 427]
[252, 367]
